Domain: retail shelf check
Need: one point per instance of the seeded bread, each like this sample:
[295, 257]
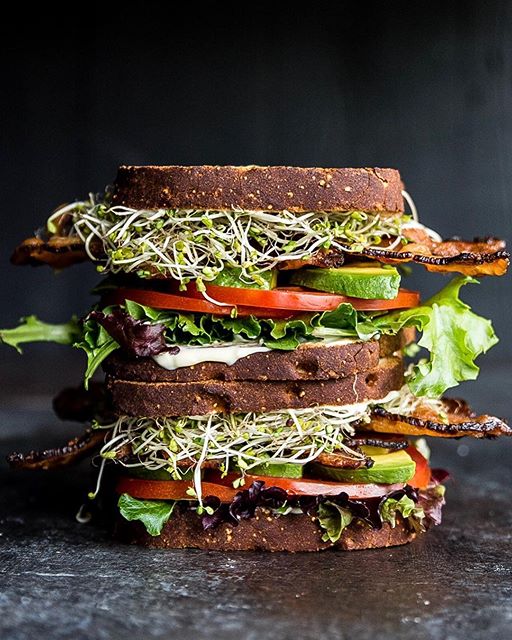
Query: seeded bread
[264, 532]
[154, 399]
[294, 189]
[310, 361]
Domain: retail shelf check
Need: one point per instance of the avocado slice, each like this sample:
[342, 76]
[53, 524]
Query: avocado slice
[158, 474]
[277, 470]
[230, 277]
[388, 468]
[358, 282]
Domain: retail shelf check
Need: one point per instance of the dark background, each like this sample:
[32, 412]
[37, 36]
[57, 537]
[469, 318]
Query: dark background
[425, 87]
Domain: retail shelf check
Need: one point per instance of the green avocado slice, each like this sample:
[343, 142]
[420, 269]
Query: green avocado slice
[158, 474]
[230, 277]
[365, 282]
[388, 468]
[277, 470]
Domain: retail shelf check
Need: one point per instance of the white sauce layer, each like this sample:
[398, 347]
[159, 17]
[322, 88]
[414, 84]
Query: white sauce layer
[188, 356]
[226, 353]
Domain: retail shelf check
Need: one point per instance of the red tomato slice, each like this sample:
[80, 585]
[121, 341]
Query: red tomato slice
[307, 487]
[171, 489]
[174, 302]
[299, 299]
[422, 475]
[223, 489]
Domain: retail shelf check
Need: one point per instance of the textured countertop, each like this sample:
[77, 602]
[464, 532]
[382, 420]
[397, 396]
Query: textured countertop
[59, 579]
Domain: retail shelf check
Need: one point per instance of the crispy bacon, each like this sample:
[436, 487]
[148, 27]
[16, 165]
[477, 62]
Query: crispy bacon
[57, 252]
[71, 452]
[480, 257]
[384, 441]
[340, 461]
[455, 420]
[83, 405]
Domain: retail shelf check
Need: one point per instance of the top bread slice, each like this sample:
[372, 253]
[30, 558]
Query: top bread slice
[255, 188]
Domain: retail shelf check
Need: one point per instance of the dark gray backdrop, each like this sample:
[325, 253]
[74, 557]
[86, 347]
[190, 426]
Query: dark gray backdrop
[425, 87]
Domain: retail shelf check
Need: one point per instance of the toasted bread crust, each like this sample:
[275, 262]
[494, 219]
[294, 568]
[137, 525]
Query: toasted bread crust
[294, 189]
[157, 399]
[264, 532]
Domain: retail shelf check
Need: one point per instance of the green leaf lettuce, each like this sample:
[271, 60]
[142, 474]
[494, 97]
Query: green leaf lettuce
[407, 508]
[152, 513]
[453, 335]
[31, 329]
[333, 519]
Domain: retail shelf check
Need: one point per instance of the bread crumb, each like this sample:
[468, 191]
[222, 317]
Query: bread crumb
[322, 183]
[347, 189]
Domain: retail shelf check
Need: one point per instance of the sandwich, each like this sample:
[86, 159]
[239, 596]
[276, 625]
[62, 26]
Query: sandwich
[270, 381]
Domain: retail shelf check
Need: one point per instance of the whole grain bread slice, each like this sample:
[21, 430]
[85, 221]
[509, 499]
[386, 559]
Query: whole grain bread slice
[295, 189]
[157, 399]
[310, 361]
[264, 532]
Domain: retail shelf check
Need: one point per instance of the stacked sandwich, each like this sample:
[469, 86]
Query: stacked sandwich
[253, 330]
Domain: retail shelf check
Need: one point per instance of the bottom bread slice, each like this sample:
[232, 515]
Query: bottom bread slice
[264, 532]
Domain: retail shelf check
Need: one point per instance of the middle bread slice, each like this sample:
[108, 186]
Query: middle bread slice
[310, 361]
[161, 399]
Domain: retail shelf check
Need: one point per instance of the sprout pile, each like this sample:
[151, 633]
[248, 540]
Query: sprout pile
[243, 441]
[188, 244]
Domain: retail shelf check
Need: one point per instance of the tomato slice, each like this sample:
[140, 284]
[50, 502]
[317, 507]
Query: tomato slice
[171, 489]
[175, 302]
[300, 299]
[422, 475]
[307, 487]
[223, 489]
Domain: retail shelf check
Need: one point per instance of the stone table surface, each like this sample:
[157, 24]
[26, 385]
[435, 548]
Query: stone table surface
[60, 579]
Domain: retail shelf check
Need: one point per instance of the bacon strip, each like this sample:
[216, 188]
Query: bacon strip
[83, 405]
[480, 257]
[458, 420]
[57, 252]
[71, 452]
[340, 461]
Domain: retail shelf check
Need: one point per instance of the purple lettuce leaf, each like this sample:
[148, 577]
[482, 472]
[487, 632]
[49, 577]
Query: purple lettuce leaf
[137, 338]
